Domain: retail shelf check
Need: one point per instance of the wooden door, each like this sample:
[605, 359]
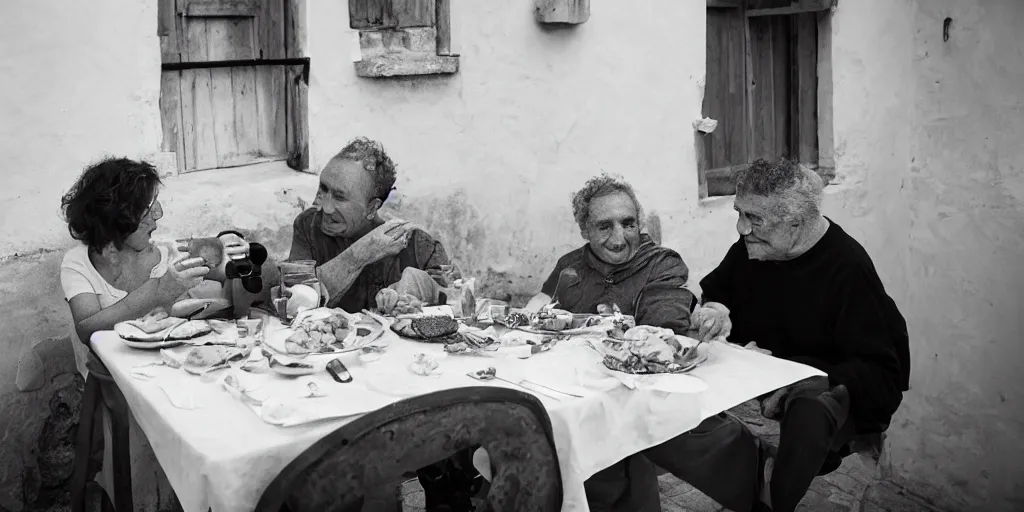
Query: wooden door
[223, 116]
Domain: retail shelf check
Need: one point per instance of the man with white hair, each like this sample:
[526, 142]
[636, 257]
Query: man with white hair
[799, 287]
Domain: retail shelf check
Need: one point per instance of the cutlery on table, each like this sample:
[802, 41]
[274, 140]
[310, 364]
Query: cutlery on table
[492, 374]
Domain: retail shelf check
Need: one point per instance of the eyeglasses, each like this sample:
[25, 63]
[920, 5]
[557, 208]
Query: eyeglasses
[155, 211]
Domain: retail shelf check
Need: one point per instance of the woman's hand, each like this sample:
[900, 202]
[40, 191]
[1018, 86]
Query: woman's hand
[182, 274]
[711, 321]
[235, 247]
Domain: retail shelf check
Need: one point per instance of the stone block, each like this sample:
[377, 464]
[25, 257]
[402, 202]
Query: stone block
[414, 40]
[564, 12]
[406, 64]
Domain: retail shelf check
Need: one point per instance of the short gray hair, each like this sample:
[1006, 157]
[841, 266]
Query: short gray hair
[798, 188]
[375, 160]
[600, 186]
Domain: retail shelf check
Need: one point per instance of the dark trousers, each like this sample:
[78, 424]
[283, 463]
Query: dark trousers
[813, 426]
[719, 457]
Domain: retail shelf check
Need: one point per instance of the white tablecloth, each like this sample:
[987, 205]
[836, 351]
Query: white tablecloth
[221, 455]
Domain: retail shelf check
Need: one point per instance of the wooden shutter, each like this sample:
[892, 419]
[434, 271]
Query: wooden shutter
[375, 14]
[761, 86]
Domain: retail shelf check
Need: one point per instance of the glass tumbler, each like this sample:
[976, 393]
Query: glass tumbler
[294, 273]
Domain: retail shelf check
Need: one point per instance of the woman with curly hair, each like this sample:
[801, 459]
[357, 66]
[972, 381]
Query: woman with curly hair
[118, 272]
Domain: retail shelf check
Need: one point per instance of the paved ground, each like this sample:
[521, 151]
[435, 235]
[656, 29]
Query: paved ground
[855, 487]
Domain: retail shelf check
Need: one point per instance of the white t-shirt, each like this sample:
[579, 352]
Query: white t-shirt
[78, 276]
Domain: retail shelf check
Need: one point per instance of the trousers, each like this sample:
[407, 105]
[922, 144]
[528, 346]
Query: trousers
[720, 457]
[812, 426]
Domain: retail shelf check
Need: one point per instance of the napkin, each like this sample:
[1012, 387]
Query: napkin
[181, 395]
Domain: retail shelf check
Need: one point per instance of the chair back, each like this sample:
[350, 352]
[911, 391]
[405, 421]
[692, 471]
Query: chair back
[377, 452]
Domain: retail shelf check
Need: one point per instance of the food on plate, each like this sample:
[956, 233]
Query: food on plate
[427, 327]
[551, 319]
[390, 302]
[208, 358]
[423, 365]
[485, 374]
[323, 330]
[646, 349]
[516, 319]
[459, 347]
[155, 321]
[164, 329]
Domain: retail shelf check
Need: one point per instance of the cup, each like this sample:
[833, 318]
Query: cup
[293, 273]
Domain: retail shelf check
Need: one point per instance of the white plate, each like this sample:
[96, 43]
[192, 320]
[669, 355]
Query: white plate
[153, 345]
[277, 335]
[129, 332]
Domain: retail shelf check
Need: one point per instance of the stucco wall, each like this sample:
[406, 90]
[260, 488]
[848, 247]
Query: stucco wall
[491, 154]
[932, 131]
[926, 142]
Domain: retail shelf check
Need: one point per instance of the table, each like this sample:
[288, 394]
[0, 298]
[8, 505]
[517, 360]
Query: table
[222, 456]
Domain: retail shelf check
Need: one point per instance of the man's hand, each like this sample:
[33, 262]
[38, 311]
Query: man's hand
[711, 321]
[388, 239]
[446, 275]
[774, 407]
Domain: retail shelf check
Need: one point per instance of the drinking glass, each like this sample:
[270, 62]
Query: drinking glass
[294, 273]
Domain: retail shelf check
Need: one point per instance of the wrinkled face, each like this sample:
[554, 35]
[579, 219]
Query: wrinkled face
[139, 240]
[613, 229]
[767, 238]
[345, 197]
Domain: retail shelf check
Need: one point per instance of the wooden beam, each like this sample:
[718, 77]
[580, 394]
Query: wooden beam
[798, 6]
[725, 4]
[219, 8]
[443, 26]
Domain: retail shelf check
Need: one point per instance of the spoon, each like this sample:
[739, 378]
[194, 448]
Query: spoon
[491, 374]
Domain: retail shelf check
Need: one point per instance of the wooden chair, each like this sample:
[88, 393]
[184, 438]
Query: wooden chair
[102, 392]
[375, 453]
[749, 413]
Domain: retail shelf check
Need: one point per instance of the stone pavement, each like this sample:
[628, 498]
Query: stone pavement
[856, 486]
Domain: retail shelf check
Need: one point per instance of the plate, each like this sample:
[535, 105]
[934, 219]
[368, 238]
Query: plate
[701, 357]
[278, 334]
[153, 345]
[179, 332]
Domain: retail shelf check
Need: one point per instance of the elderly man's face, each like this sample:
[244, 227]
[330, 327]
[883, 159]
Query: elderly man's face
[345, 197]
[613, 229]
[766, 237]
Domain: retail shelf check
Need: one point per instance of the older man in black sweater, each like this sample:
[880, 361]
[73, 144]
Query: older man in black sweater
[797, 286]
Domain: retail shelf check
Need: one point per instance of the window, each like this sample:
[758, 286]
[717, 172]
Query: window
[761, 86]
[403, 37]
